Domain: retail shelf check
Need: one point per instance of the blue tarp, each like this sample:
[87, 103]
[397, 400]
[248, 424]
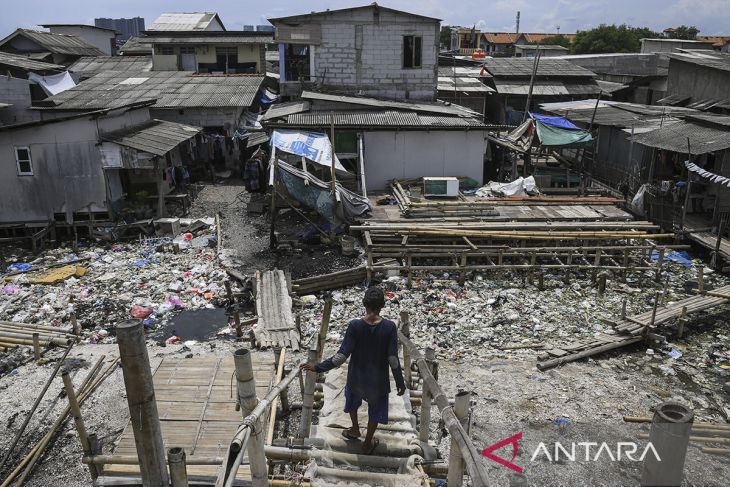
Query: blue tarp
[679, 257]
[559, 122]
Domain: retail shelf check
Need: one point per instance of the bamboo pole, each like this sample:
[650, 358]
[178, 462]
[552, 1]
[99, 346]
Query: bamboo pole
[323, 328]
[473, 459]
[462, 403]
[142, 404]
[78, 420]
[280, 359]
[246, 387]
[308, 396]
[425, 416]
[85, 390]
[20, 339]
[406, 330]
[33, 408]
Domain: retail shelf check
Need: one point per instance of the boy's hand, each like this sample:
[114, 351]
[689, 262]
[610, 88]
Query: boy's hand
[401, 390]
[307, 366]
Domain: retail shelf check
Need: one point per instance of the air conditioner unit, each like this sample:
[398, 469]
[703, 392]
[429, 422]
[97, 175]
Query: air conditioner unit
[448, 187]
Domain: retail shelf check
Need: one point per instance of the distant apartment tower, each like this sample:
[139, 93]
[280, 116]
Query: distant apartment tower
[125, 28]
[265, 28]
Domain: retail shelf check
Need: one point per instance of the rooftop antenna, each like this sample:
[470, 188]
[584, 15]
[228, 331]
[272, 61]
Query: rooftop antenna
[517, 23]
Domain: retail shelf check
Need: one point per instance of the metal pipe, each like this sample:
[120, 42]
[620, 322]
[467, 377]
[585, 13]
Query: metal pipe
[247, 399]
[178, 467]
[142, 405]
[669, 435]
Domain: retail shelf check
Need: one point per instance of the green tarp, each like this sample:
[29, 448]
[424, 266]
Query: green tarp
[556, 137]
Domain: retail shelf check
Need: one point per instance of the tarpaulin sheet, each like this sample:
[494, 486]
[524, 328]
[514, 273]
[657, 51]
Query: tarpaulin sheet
[519, 187]
[315, 146]
[317, 196]
[559, 122]
[555, 137]
[54, 83]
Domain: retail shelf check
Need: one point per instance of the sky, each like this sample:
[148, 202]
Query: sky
[712, 17]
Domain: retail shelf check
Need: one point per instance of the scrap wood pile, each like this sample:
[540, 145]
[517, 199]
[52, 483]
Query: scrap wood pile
[634, 329]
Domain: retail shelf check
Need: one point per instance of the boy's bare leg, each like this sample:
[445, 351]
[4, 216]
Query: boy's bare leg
[355, 429]
[368, 443]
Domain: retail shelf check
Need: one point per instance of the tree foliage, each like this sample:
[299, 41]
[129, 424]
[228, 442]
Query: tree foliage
[445, 37]
[684, 32]
[611, 38]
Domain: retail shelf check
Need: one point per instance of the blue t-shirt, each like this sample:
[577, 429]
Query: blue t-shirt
[369, 347]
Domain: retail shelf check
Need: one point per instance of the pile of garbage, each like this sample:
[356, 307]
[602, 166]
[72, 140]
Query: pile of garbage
[103, 284]
[499, 317]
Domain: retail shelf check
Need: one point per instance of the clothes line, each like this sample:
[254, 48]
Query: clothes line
[715, 178]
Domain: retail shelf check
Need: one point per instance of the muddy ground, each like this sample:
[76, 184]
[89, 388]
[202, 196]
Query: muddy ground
[582, 401]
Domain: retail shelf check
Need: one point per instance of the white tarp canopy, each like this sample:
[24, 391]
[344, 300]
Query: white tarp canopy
[315, 146]
[55, 83]
[519, 187]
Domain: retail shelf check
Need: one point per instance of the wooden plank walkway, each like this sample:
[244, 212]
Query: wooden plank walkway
[630, 330]
[196, 401]
[399, 436]
[276, 326]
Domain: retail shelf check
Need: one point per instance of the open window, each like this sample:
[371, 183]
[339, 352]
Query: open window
[412, 51]
[22, 158]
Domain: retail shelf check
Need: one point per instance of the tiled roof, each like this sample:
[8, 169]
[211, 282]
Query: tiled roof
[716, 41]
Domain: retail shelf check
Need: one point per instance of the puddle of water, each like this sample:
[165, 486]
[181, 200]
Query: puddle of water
[198, 324]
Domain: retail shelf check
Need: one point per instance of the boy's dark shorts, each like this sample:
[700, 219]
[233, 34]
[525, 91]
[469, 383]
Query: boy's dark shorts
[377, 410]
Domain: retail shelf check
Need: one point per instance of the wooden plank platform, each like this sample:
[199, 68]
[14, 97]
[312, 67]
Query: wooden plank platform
[276, 326]
[196, 401]
[631, 329]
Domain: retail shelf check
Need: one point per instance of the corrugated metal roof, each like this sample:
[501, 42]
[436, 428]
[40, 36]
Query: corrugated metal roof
[373, 6]
[521, 67]
[610, 86]
[279, 110]
[156, 136]
[546, 88]
[136, 46]
[617, 114]
[24, 62]
[95, 64]
[171, 89]
[703, 57]
[56, 43]
[464, 84]
[257, 138]
[176, 21]
[376, 118]
[702, 138]
[427, 107]
[464, 71]
[226, 37]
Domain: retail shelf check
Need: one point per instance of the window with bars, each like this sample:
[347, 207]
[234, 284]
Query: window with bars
[22, 158]
[412, 51]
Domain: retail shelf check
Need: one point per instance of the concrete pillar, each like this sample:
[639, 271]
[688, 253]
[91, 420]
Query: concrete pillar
[669, 435]
[142, 405]
[455, 477]
[247, 400]
[178, 467]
